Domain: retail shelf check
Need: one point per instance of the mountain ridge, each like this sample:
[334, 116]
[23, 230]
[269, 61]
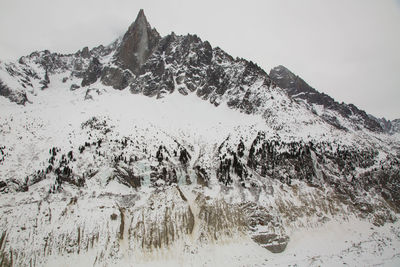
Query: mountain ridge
[299, 89]
[125, 67]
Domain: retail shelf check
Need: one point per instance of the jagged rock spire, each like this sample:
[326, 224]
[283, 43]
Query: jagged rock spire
[137, 44]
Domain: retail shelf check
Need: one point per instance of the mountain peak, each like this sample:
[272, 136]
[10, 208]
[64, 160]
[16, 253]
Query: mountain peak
[281, 72]
[140, 20]
[281, 67]
[137, 44]
[141, 13]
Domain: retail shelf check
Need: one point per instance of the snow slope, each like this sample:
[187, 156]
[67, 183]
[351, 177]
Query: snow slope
[74, 224]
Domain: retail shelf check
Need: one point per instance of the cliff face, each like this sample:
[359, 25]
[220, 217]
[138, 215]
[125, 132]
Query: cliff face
[137, 45]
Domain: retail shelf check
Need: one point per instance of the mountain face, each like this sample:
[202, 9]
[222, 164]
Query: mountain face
[137, 45]
[394, 126]
[391, 127]
[155, 145]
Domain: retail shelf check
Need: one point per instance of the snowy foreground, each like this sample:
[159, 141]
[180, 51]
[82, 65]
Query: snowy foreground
[350, 243]
[107, 221]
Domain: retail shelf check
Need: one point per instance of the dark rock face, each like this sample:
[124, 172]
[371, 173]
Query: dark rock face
[389, 126]
[299, 89]
[187, 64]
[137, 45]
[85, 52]
[74, 87]
[272, 242]
[116, 77]
[46, 81]
[14, 96]
[92, 73]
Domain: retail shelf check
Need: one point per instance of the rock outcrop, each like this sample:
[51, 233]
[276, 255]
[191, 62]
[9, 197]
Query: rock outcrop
[137, 45]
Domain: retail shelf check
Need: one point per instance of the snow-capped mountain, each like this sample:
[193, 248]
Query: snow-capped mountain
[160, 149]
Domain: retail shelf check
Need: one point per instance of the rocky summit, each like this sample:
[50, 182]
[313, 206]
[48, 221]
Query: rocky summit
[160, 150]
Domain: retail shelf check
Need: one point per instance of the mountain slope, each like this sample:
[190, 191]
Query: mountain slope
[389, 126]
[297, 88]
[155, 145]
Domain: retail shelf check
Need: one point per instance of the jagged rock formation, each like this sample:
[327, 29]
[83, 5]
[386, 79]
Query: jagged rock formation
[137, 45]
[14, 96]
[389, 126]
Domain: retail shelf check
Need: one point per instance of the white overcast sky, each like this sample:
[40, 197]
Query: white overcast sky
[349, 49]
